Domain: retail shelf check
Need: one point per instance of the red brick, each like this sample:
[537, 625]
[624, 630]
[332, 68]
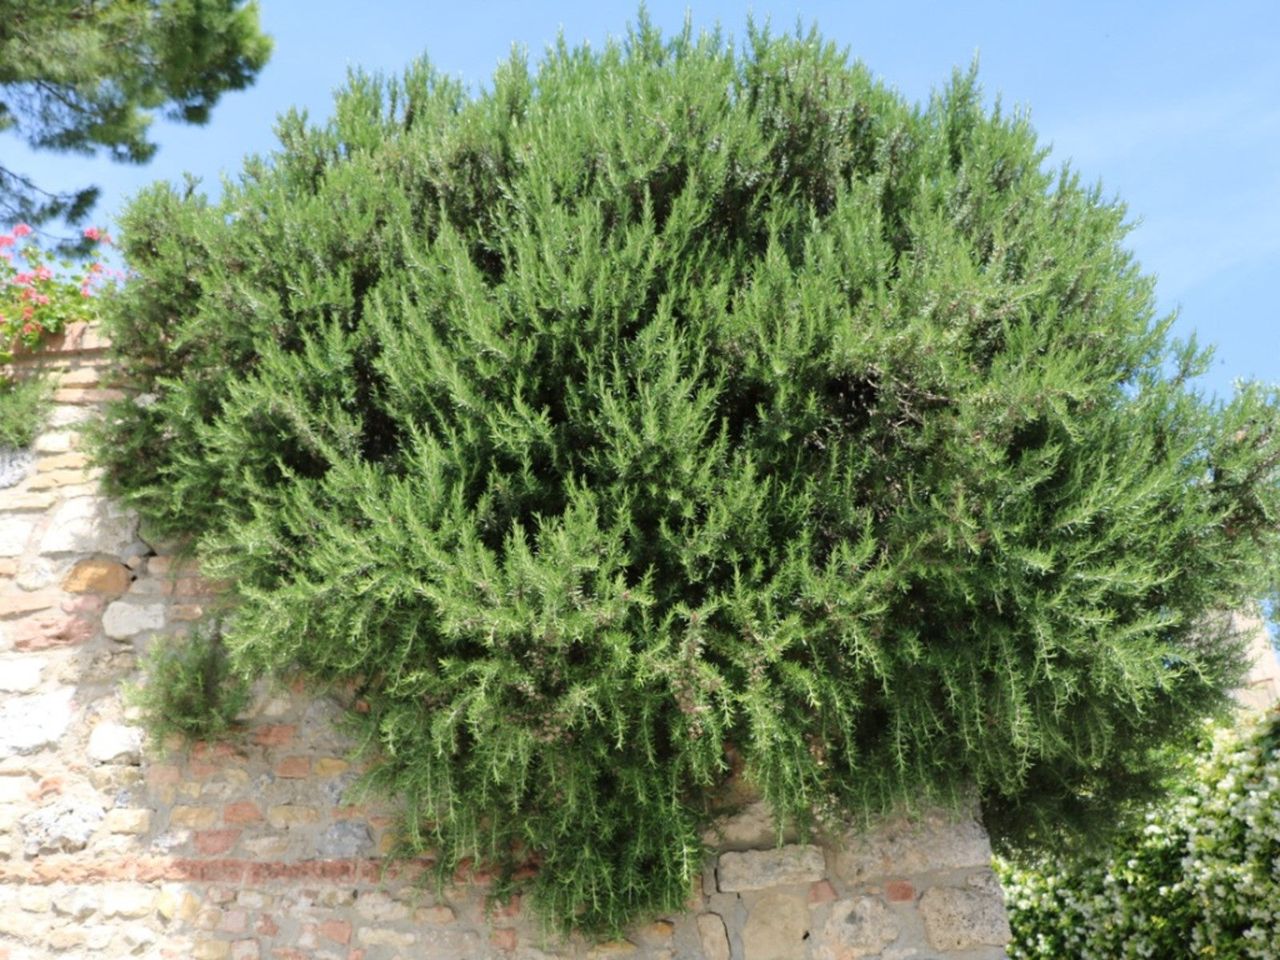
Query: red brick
[160, 774]
[51, 631]
[210, 843]
[267, 926]
[244, 811]
[275, 735]
[899, 891]
[294, 768]
[503, 939]
[288, 953]
[339, 931]
[821, 891]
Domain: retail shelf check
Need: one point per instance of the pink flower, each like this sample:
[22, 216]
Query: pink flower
[42, 299]
[21, 230]
[28, 313]
[43, 272]
[92, 233]
[95, 268]
[6, 240]
[22, 279]
[84, 291]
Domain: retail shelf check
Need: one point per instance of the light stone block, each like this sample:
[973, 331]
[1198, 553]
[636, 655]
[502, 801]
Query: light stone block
[738, 872]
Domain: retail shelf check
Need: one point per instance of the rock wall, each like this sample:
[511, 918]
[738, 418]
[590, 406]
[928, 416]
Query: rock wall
[254, 849]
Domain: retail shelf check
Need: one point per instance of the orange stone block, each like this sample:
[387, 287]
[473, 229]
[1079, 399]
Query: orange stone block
[98, 576]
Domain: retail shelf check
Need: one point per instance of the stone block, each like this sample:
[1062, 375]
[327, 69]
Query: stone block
[193, 818]
[15, 530]
[292, 815]
[125, 618]
[899, 847]
[20, 674]
[777, 928]
[126, 820]
[98, 575]
[713, 936]
[115, 743]
[963, 919]
[89, 525]
[858, 927]
[738, 872]
[52, 630]
[64, 826]
[346, 838]
[29, 723]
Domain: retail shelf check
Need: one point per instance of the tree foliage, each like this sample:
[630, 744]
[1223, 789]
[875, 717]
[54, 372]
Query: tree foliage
[670, 399]
[83, 76]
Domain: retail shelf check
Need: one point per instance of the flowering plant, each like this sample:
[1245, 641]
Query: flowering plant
[1199, 877]
[40, 295]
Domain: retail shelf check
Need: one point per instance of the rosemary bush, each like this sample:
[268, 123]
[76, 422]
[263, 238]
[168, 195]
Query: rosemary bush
[671, 397]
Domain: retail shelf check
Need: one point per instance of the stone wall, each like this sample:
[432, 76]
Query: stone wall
[255, 849]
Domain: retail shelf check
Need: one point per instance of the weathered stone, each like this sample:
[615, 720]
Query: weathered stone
[776, 928]
[212, 950]
[63, 826]
[750, 828]
[381, 937]
[14, 533]
[35, 899]
[56, 441]
[15, 465]
[29, 723]
[79, 903]
[346, 838]
[760, 869]
[51, 629]
[115, 743]
[20, 674]
[860, 927]
[714, 937]
[436, 915]
[124, 619]
[36, 574]
[89, 525]
[898, 847]
[97, 575]
[957, 919]
[292, 815]
[28, 502]
[127, 820]
[375, 905]
[611, 948]
[127, 901]
[193, 818]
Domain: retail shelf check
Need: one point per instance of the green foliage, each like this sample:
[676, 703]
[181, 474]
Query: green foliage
[1197, 878]
[669, 397]
[23, 405]
[83, 75]
[189, 688]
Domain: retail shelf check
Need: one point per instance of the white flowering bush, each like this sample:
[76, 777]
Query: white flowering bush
[1199, 878]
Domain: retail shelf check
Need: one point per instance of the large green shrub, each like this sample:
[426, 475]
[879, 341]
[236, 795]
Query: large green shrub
[1199, 877]
[662, 398]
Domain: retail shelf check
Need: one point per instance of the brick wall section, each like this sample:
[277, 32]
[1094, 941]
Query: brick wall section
[255, 849]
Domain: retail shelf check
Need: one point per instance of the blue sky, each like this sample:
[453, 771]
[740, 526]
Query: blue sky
[1173, 106]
